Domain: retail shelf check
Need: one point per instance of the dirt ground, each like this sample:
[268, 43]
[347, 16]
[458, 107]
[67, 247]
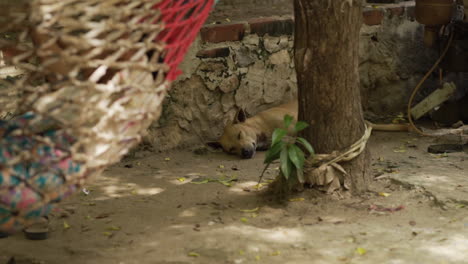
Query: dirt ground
[149, 210]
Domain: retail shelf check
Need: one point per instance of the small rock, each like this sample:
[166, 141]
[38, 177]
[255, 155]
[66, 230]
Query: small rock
[271, 44]
[251, 40]
[229, 84]
[128, 166]
[244, 57]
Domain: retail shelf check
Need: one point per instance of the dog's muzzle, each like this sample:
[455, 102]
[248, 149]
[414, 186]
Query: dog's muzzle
[247, 153]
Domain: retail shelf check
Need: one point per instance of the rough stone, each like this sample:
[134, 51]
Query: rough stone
[228, 102]
[276, 82]
[215, 71]
[281, 57]
[251, 87]
[229, 84]
[251, 40]
[243, 70]
[284, 42]
[274, 89]
[184, 124]
[244, 57]
[271, 44]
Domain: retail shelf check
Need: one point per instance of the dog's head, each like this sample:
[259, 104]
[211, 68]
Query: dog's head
[238, 138]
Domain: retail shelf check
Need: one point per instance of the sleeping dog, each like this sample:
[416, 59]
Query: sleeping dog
[246, 135]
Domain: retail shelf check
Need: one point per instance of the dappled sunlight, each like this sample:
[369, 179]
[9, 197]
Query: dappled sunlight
[281, 235]
[435, 179]
[454, 248]
[114, 187]
[116, 191]
[191, 212]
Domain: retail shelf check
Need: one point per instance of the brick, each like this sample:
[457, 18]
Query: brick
[373, 17]
[271, 26]
[382, 1]
[397, 11]
[222, 33]
[214, 53]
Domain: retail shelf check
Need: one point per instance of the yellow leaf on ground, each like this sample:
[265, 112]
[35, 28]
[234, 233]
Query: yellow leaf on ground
[66, 225]
[276, 253]
[182, 179]
[193, 254]
[249, 210]
[384, 194]
[296, 199]
[245, 220]
[361, 251]
[167, 159]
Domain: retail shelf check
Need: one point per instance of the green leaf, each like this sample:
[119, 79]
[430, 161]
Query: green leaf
[300, 126]
[278, 135]
[287, 121]
[285, 163]
[296, 156]
[306, 145]
[273, 153]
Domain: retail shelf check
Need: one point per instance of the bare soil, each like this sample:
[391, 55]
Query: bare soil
[148, 210]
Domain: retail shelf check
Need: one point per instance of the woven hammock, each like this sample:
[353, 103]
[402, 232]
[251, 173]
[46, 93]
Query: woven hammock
[96, 73]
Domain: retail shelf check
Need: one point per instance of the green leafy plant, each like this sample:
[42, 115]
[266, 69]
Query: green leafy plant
[286, 149]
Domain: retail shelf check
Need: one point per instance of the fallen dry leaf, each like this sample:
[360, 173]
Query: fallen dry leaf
[249, 210]
[296, 199]
[384, 194]
[193, 254]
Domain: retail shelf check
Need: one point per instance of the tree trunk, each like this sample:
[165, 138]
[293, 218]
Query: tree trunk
[327, 61]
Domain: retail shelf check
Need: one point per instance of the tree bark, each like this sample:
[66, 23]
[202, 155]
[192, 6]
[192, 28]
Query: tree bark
[326, 60]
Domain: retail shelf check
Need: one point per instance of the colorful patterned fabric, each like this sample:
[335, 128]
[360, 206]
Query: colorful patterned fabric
[42, 171]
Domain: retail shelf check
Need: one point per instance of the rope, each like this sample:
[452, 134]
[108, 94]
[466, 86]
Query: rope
[325, 169]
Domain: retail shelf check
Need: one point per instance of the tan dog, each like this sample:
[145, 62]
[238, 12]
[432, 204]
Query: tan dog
[245, 135]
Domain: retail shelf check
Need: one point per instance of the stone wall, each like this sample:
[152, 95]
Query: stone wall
[249, 64]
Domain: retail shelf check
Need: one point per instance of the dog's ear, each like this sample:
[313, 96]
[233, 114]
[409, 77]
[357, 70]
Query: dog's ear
[240, 117]
[214, 144]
